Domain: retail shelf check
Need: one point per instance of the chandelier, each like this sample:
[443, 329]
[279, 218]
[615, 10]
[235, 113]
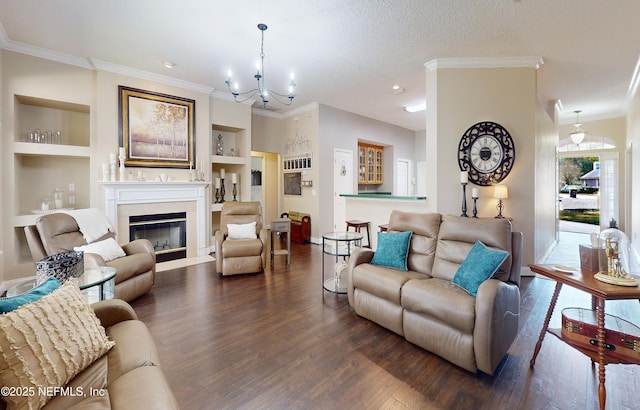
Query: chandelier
[261, 89]
[577, 135]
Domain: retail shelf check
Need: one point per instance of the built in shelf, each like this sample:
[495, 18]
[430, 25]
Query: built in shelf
[53, 150]
[53, 104]
[225, 159]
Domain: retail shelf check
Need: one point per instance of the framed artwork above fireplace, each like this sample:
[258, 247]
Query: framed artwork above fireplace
[156, 130]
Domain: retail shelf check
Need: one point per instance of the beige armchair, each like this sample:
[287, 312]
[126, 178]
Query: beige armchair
[59, 232]
[235, 256]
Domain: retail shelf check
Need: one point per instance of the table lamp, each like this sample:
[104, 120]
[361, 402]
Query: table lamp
[500, 192]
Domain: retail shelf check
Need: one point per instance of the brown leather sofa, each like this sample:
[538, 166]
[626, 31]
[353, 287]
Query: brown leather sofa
[59, 232]
[129, 376]
[236, 256]
[425, 307]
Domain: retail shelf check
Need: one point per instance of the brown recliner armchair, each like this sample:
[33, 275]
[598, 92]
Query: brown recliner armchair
[235, 256]
[59, 232]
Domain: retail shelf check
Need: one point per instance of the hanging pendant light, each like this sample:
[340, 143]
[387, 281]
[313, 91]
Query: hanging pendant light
[577, 135]
[261, 89]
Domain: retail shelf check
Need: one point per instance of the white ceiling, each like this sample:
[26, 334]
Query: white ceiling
[346, 53]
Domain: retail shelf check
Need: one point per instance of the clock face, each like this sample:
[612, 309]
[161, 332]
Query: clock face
[486, 152]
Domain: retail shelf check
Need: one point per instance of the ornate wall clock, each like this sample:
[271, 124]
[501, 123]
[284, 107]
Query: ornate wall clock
[487, 152]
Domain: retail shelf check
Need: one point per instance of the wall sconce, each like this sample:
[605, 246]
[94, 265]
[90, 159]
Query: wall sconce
[500, 192]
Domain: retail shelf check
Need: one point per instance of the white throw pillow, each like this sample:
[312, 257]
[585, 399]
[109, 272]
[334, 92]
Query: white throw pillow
[242, 231]
[108, 249]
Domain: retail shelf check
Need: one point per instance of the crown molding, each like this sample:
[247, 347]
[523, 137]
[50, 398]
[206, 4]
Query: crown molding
[95, 64]
[24, 48]
[634, 83]
[498, 62]
[146, 75]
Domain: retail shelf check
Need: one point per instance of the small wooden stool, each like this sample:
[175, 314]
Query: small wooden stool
[358, 225]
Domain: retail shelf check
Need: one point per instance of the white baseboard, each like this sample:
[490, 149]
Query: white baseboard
[526, 271]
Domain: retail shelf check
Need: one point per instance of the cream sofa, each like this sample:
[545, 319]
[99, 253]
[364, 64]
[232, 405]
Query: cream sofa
[424, 306]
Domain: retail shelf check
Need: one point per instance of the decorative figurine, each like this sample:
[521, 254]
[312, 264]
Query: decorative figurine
[615, 274]
[220, 147]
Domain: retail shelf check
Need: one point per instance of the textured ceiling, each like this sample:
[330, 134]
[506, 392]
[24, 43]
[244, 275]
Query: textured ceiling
[347, 54]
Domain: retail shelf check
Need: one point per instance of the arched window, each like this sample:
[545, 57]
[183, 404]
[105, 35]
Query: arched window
[590, 142]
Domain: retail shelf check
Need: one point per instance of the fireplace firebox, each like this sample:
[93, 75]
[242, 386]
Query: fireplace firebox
[166, 232]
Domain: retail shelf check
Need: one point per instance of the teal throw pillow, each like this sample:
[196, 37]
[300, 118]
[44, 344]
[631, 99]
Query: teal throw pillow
[12, 303]
[479, 265]
[392, 250]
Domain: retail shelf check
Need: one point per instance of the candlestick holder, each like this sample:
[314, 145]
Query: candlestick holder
[464, 200]
[217, 195]
[235, 192]
[475, 209]
[105, 173]
[222, 190]
[123, 176]
[113, 170]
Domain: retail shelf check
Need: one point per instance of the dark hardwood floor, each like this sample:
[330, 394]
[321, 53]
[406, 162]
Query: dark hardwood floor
[275, 340]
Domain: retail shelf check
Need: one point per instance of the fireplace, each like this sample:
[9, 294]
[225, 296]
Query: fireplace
[126, 199]
[166, 232]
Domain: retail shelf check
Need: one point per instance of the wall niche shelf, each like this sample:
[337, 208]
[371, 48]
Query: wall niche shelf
[239, 163]
[71, 119]
[54, 150]
[37, 168]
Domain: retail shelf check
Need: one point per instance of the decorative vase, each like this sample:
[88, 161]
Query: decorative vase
[220, 146]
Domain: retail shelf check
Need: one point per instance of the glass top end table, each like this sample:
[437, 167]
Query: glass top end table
[338, 244]
[101, 277]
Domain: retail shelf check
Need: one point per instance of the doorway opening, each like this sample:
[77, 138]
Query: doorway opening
[579, 193]
[588, 194]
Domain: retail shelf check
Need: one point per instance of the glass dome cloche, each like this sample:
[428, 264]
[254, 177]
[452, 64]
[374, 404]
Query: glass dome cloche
[618, 259]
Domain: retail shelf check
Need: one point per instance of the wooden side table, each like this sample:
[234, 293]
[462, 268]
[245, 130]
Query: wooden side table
[599, 291]
[281, 225]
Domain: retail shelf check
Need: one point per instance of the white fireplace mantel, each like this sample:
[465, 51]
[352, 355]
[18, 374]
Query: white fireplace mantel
[148, 192]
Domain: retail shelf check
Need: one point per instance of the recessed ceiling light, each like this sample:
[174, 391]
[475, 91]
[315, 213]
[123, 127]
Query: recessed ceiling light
[416, 107]
[396, 89]
[169, 64]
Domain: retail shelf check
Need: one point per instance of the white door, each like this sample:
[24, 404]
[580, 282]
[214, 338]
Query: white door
[609, 202]
[402, 177]
[342, 184]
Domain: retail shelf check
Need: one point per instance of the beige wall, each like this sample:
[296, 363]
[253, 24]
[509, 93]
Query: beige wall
[342, 130]
[105, 137]
[465, 96]
[546, 196]
[633, 144]
[268, 133]
[298, 128]
[25, 75]
[30, 76]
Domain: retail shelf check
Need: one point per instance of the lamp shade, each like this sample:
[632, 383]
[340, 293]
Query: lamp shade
[500, 192]
[577, 137]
